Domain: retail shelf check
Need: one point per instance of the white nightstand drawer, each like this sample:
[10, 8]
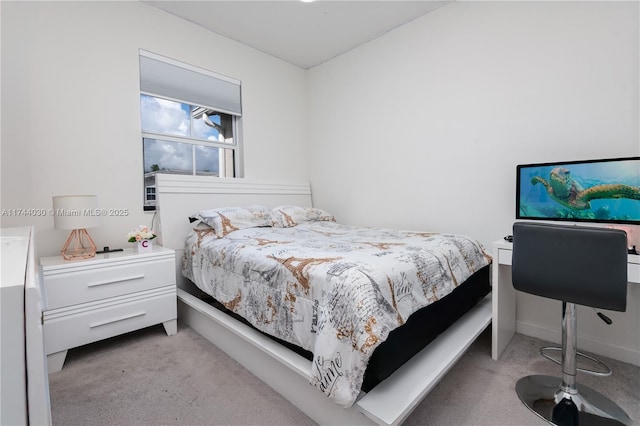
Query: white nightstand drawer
[104, 281]
[75, 326]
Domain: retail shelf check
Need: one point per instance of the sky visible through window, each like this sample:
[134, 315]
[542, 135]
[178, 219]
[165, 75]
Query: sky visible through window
[173, 118]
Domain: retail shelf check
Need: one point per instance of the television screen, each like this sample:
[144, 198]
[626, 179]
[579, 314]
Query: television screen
[606, 191]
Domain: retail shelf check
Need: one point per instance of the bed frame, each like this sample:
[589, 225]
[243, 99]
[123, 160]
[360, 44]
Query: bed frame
[288, 373]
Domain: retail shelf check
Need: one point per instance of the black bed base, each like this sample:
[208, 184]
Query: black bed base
[423, 327]
[404, 342]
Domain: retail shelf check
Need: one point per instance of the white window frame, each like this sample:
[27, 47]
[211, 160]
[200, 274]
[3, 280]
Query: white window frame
[159, 84]
[147, 193]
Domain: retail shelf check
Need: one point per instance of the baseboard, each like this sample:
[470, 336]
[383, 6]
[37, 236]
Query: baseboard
[585, 343]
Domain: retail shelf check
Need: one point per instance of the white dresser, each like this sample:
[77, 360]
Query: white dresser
[111, 294]
[24, 385]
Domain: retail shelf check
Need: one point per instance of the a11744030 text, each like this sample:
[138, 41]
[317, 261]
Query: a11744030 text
[35, 212]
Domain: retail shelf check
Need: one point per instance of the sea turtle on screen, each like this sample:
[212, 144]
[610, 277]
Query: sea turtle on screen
[566, 191]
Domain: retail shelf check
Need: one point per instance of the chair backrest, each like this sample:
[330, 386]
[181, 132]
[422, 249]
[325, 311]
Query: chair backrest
[586, 266]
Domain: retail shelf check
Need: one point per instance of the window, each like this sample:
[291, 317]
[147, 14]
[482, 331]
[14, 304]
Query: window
[151, 193]
[190, 119]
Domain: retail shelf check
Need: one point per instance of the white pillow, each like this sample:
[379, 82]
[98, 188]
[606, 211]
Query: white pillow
[225, 220]
[288, 216]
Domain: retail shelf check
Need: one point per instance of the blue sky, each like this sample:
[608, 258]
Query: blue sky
[169, 117]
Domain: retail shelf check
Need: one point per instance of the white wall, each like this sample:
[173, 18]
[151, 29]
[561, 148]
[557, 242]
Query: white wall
[423, 128]
[70, 107]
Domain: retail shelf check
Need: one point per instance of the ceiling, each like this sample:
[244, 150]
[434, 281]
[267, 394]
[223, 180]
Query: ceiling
[303, 34]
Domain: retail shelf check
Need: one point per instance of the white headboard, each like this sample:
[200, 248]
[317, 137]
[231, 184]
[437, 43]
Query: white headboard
[180, 196]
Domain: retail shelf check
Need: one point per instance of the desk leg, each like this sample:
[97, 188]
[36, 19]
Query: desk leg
[503, 319]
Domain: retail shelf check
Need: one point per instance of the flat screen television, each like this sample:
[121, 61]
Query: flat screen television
[602, 191]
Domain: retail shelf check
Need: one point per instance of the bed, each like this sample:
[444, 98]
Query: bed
[391, 391]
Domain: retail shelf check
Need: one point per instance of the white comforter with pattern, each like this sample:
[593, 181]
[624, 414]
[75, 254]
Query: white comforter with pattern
[332, 289]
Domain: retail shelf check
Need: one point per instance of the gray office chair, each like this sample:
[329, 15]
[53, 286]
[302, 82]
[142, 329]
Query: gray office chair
[577, 265]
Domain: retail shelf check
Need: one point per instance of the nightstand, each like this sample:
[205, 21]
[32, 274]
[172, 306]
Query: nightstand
[110, 294]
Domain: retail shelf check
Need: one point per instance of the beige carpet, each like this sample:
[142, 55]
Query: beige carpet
[147, 378]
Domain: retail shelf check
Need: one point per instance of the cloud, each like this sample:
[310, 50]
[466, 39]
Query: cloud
[167, 155]
[172, 118]
[207, 159]
[202, 131]
[163, 116]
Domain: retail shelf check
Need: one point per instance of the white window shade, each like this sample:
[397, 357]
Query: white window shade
[171, 79]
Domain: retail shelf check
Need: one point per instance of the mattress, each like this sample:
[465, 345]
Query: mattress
[339, 292]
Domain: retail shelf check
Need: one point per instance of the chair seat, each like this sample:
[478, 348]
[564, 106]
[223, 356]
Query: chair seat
[576, 265]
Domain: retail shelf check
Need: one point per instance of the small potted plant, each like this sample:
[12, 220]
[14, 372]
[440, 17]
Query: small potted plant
[143, 238]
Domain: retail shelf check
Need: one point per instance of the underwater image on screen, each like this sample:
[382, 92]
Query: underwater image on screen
[598, 191]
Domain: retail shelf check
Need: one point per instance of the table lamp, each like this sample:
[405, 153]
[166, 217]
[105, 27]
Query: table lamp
[77, 213]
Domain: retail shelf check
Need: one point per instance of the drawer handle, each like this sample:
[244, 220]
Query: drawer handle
[122, 318]
[118, 280]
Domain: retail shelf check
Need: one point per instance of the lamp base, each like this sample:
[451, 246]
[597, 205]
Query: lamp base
[79, 245]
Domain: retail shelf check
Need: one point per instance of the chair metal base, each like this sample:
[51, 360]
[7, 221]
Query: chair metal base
[604, 369]
[544, 396]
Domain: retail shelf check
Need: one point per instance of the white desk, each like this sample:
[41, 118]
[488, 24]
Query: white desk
[504, 295]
